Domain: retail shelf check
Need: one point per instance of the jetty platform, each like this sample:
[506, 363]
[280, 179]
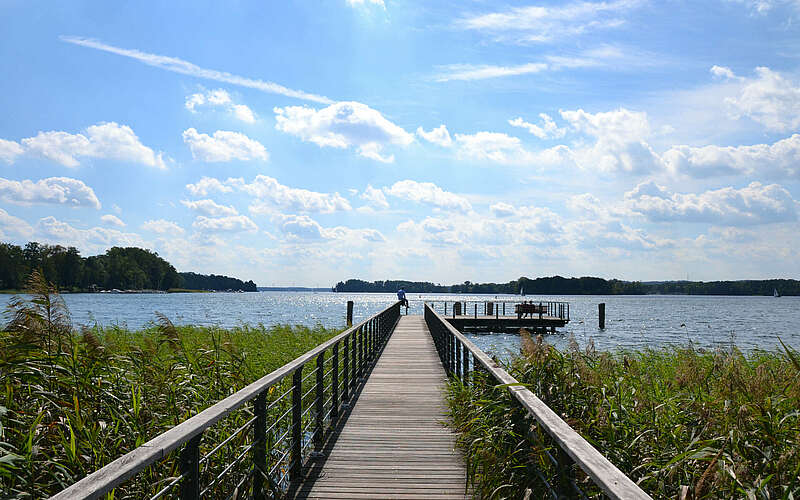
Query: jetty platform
[503, 316]
[395, 443]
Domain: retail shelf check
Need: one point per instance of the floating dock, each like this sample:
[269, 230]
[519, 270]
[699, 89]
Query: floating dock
[504, 316]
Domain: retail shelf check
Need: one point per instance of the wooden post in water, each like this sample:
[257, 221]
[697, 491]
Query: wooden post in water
[601, 313]
[349, 313]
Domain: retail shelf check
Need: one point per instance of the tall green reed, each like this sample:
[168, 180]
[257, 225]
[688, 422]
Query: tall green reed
[72, 402]
[682, 422]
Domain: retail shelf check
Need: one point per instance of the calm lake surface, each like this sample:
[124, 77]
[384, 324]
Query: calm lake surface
[631, 321]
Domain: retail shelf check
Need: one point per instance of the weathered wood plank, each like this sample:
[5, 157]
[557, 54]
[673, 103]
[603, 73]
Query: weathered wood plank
[395, 443]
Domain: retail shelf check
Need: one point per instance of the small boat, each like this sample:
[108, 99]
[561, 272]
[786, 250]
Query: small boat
[775, 292]
[522, 291]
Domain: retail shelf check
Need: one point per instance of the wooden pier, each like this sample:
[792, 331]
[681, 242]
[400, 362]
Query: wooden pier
[507, 316]
[360, 416]
[395, 443]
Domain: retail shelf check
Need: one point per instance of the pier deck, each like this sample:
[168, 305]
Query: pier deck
[395, 444]
[483, 323]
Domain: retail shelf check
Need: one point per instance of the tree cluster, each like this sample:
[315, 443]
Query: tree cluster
[128, 268]
[196, 281]
[586, 285]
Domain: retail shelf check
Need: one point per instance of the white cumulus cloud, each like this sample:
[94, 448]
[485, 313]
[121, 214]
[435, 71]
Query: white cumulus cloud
[112, 220]
[507, 150]
[777, 160]
[621, 143]
[208, 185]
[209, 207]
[303, 227]
[375, 197]
[274, 194]
[13, 225]
[162, 226]
[110, 141]
[223, 146]
[9, 150]
[769, 98]
[547, 130]
[502, 210]
[753, 204]
[229, 224]
[219, 98]
[429, 193]
[344, 125]
[439, 136]
[52, 190]
[91, 239]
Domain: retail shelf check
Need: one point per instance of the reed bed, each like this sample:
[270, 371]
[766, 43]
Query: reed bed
[684, 423]
[75, 401]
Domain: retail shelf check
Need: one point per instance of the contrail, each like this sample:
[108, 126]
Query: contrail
[185, 67]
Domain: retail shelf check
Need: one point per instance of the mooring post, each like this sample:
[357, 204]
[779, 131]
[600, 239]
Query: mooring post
[601, 313]
[349, 313]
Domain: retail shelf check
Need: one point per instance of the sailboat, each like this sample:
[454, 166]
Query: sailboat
[775, 292]
[522, 291]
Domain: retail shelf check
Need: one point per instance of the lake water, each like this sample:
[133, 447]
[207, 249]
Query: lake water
[631, 321]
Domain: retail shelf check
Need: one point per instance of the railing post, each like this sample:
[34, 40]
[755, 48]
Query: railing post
[354, 361]
[465, 366]
[449, 353]
[335, 384]
[260, 446]
[319, 405]
[458, 357]
[371, 341]
[346, 372]
[564, 475]
[361, 353]
[367, 351]
[190, 465]
[296, 470]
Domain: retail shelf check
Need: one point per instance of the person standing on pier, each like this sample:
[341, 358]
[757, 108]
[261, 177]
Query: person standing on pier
[401, 296]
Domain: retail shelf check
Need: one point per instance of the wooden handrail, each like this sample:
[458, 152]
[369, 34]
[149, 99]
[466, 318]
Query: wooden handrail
[614, 483]
[115, 473]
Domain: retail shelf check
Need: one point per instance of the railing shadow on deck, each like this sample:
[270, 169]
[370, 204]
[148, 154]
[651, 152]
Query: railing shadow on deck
[462, 359]
[278, 425]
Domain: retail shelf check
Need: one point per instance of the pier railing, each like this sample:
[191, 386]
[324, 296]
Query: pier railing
[498, 308]
[564, 448]
[254, 443]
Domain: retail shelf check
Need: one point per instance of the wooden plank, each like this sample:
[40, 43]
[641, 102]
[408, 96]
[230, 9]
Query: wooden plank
[395, 443]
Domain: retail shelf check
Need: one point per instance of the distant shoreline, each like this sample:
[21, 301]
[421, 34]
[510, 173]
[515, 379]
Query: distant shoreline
[585, 285]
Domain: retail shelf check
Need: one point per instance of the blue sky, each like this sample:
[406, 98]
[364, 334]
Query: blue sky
[308, 142]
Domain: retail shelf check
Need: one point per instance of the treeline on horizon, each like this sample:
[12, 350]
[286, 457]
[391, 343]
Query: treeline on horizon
[586, 285]
[120, 268]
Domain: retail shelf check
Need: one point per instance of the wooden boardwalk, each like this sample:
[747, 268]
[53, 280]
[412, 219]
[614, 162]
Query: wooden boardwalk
[393, 443]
